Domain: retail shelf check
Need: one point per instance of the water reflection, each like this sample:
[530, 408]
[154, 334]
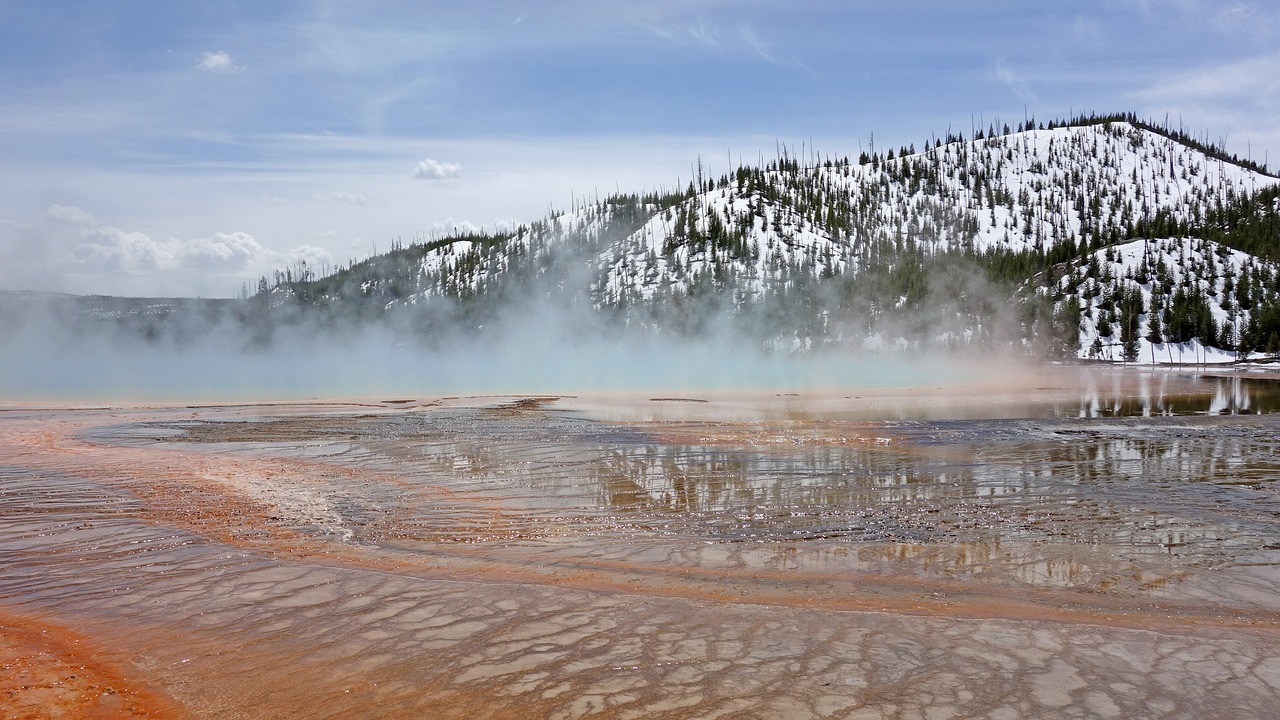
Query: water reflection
[1164, 394]
[518, 559]
[1146, 471]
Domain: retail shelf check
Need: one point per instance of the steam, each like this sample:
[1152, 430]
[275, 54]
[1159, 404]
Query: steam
[374, 362]
[536, 331]
[540, 342]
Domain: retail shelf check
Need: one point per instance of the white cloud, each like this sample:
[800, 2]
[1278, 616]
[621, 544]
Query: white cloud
[429, 169]
[69, 214]
[114, 261]
[221, 251]
[449, 226]
[109, 249]
[342, 197]
[218, 62]
[112, 249]
[311, 255]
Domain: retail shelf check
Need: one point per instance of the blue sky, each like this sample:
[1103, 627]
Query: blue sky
[184, 148]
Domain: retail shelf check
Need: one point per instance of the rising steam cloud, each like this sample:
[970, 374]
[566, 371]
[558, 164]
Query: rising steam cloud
[548, 338]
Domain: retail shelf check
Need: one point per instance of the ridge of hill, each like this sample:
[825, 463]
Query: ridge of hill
[961, 242]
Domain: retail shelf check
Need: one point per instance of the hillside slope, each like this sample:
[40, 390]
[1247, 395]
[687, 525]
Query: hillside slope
[955, 244]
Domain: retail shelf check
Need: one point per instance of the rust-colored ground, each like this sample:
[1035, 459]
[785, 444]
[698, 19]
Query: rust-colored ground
[176, 491]
[49, 672]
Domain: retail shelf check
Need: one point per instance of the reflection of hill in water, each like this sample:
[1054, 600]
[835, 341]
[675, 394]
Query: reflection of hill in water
[1112, 476]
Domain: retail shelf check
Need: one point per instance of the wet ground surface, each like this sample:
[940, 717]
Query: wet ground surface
[46, 672]
[1055, 552]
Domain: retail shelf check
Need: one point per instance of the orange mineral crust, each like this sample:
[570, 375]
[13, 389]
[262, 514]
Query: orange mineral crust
[1104, 549]
[48, 672]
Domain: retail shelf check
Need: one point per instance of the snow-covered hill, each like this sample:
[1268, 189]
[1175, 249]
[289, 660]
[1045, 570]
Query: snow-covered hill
[1032, 189]
[1170, 300]
[852, 251]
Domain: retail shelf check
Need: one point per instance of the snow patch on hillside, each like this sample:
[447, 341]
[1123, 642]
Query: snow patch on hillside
[1160, 271]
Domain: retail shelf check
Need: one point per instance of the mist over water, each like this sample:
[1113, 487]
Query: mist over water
[44, 355]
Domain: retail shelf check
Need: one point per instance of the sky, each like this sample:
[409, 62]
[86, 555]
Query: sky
[160, 148]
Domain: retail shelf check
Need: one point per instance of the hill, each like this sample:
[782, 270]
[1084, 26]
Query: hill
[1020, 238]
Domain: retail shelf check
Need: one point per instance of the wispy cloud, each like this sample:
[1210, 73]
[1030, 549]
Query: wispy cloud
[1255, 81]
[765, 53]
[428, 169]
[740, 40]
[697, 34]
[1086, 30]
[1241, 21]
[704, 34]
[218, 62]
[69, 214]
[1237, 19]
[754, 43]
[1016, 83]
[342, 197]
[1234, 101]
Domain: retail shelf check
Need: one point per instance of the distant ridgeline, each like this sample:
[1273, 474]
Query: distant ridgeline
[1102, 236]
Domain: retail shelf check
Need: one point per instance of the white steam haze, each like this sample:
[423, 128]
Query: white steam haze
[545, 336]
[539, 348]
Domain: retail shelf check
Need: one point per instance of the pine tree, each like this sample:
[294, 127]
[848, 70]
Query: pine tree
[1155, 335]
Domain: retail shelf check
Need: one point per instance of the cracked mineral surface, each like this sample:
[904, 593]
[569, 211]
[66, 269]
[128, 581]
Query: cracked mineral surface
[1068, 551]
